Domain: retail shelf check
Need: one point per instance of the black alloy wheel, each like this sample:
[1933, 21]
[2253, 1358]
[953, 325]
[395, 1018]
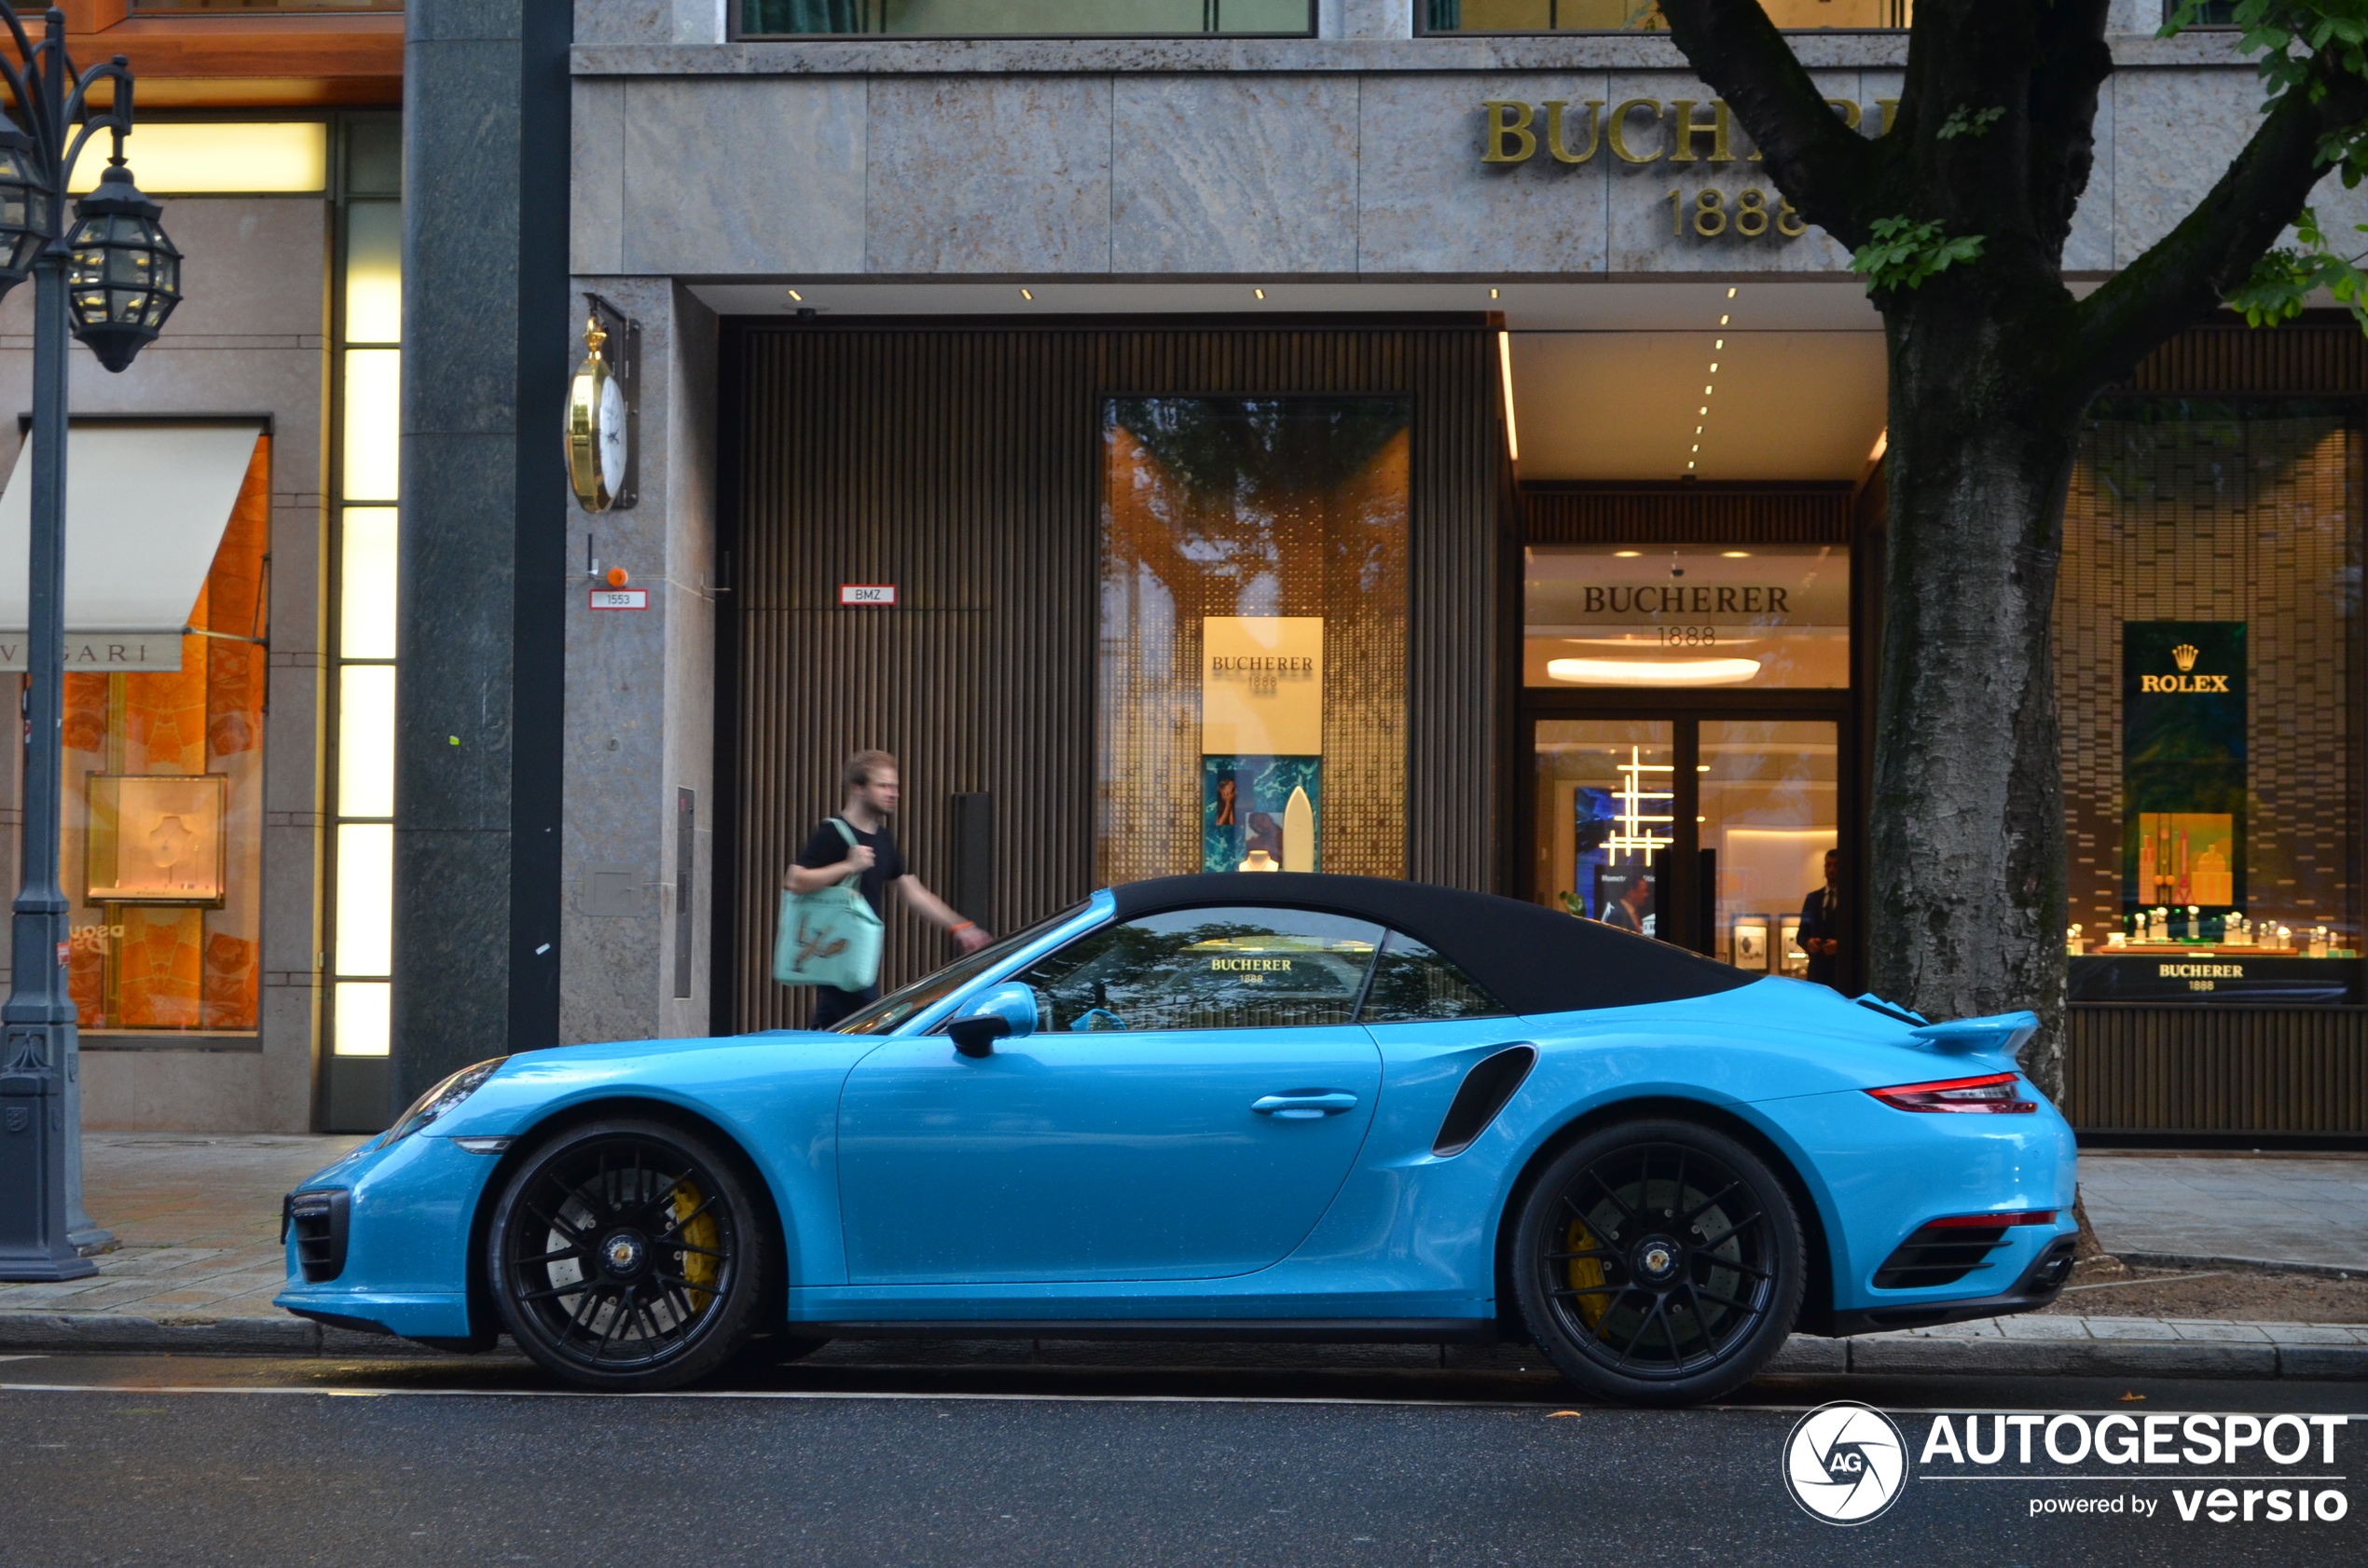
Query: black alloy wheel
[628, 1256]
[1659, 1263]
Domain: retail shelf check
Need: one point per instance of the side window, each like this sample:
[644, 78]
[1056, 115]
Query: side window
[1209, 969]
[1415, 983]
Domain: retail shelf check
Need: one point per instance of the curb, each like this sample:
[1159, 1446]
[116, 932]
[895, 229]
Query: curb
[117, 1333]
[1803, 1355]
[2250, 1265]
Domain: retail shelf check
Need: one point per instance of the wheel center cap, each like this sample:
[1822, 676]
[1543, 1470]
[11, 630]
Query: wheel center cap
[1658, 1259]
[622, 1252]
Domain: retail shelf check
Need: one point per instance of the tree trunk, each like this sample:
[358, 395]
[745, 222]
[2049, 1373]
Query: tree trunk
[1967, 855]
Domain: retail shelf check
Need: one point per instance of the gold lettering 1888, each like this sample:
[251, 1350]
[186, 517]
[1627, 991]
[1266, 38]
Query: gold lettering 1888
[1750, 217]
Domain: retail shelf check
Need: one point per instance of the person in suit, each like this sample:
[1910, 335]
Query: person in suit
[1628, 910]
[1820, 934]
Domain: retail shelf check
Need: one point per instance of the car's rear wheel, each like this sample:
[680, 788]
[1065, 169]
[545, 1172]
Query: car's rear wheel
[1659, 1263]
[627, 1255]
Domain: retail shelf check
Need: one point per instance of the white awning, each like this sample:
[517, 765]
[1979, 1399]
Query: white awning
[146, 507]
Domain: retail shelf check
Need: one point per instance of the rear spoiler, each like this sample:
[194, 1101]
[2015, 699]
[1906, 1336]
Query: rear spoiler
[2005, 1033]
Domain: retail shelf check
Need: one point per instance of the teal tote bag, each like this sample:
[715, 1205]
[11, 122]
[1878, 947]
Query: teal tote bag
[828, 937]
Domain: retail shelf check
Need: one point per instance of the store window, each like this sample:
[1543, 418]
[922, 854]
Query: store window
[2206, 628]
[1698, 616]
[162, 857]
[1643, 16]
[1040, 18]
[1252, 697]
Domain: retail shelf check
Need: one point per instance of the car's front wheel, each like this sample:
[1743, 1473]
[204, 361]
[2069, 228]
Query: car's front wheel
[627, 1255]
[1659, 1263]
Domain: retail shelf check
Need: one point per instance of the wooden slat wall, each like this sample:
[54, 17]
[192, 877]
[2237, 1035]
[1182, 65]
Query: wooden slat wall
[2305, 357]
[2217, 1069]
[963, 464]
[1686, 514]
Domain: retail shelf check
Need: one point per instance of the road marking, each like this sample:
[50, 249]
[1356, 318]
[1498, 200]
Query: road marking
[885, 1396]
[23, 1358]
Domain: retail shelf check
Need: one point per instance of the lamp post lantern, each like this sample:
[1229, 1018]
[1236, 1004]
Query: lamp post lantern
[111, 283]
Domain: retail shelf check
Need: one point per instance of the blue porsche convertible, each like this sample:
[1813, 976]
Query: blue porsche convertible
[1261, 1107]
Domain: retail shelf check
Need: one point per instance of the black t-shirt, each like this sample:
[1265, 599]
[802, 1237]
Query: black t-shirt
[827, 847]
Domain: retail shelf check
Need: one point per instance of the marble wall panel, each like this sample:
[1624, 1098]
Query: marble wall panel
[595, 179]
[177, 1091]
[2089, 247]
[640, 694]
[1430, 204]
[2174, 131]
[651, 22]
[994, 175]
[730, 174]
[1234, 174]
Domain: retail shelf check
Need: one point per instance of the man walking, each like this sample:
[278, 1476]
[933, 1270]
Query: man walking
[871, 794]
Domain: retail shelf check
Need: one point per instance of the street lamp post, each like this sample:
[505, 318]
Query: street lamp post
[112, 280]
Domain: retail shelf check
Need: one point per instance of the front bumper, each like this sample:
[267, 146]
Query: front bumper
[410, 1210]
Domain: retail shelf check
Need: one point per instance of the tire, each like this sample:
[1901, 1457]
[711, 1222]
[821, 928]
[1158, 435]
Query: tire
[628, 1256]
[1615, 1282]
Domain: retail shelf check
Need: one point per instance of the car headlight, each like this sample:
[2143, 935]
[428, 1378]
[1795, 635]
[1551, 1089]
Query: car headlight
[442, 1098]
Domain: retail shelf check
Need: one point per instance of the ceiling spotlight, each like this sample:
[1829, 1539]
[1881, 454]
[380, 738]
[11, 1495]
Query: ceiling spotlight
[1697, 447]
[1720, 344]
[1713, 367]
[1697, 430]
[1690, 462]
[1704, 409]
[1260, 292]
[799, 297]
[1731, 294]
[1628, 554]
[1025, 295]
[1722, 321]
[1492, 293]
[1736, 555]
[1706, 391]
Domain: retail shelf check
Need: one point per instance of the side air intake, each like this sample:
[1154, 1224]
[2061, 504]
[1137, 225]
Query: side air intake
[1485, 1089]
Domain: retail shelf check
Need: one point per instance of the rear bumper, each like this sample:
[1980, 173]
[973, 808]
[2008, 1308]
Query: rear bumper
[2041, 1282]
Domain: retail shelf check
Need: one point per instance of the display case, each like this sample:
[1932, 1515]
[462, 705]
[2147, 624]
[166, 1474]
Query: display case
[157, 839]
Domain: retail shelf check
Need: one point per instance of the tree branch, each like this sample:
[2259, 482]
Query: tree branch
[2187, 272]
[1821, 165]
[2074, 62]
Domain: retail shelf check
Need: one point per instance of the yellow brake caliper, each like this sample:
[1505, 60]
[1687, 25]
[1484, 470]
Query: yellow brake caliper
[699, 1268]
[1587, 1273]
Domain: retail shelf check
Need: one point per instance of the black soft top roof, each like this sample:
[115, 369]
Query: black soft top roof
[1532, 958]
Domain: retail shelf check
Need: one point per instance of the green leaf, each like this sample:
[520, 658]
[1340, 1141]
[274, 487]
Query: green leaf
[2285, 277]
[1977, 123]
[1903, 254]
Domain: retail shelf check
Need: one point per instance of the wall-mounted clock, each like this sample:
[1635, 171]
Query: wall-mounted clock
[599, 429]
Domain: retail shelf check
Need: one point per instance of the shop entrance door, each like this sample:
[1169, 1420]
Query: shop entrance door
[1707, 829]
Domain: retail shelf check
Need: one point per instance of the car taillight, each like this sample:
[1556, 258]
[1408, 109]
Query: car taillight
[1994, 1093]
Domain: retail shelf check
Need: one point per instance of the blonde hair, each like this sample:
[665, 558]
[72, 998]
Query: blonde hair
[863, 766]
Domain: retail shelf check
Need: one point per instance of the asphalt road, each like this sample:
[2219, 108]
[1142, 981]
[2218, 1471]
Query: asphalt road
[201, 1461]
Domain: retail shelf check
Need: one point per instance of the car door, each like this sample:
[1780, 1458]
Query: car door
[1194, 1095]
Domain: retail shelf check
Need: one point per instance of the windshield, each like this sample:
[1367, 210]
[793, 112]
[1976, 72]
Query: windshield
[897, 1006]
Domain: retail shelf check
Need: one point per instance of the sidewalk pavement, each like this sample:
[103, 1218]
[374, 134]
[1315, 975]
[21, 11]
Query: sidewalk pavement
[198, 1218]
[2303, 1213]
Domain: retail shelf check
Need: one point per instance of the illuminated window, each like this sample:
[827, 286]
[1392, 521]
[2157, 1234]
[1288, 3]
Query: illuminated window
[1042, 19]
[188, 158]
[1643, 16]
[368, 363]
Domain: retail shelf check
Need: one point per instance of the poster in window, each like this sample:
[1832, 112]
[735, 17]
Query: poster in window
[2183, 766]
[157, 839]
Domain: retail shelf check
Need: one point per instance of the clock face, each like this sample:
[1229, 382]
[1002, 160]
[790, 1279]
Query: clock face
[609, 433]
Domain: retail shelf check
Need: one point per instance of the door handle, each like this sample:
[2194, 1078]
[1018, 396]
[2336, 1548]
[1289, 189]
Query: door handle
[1304, 1104]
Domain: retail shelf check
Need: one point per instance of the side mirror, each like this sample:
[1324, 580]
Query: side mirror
[1006, 1011]
[976, 1037]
